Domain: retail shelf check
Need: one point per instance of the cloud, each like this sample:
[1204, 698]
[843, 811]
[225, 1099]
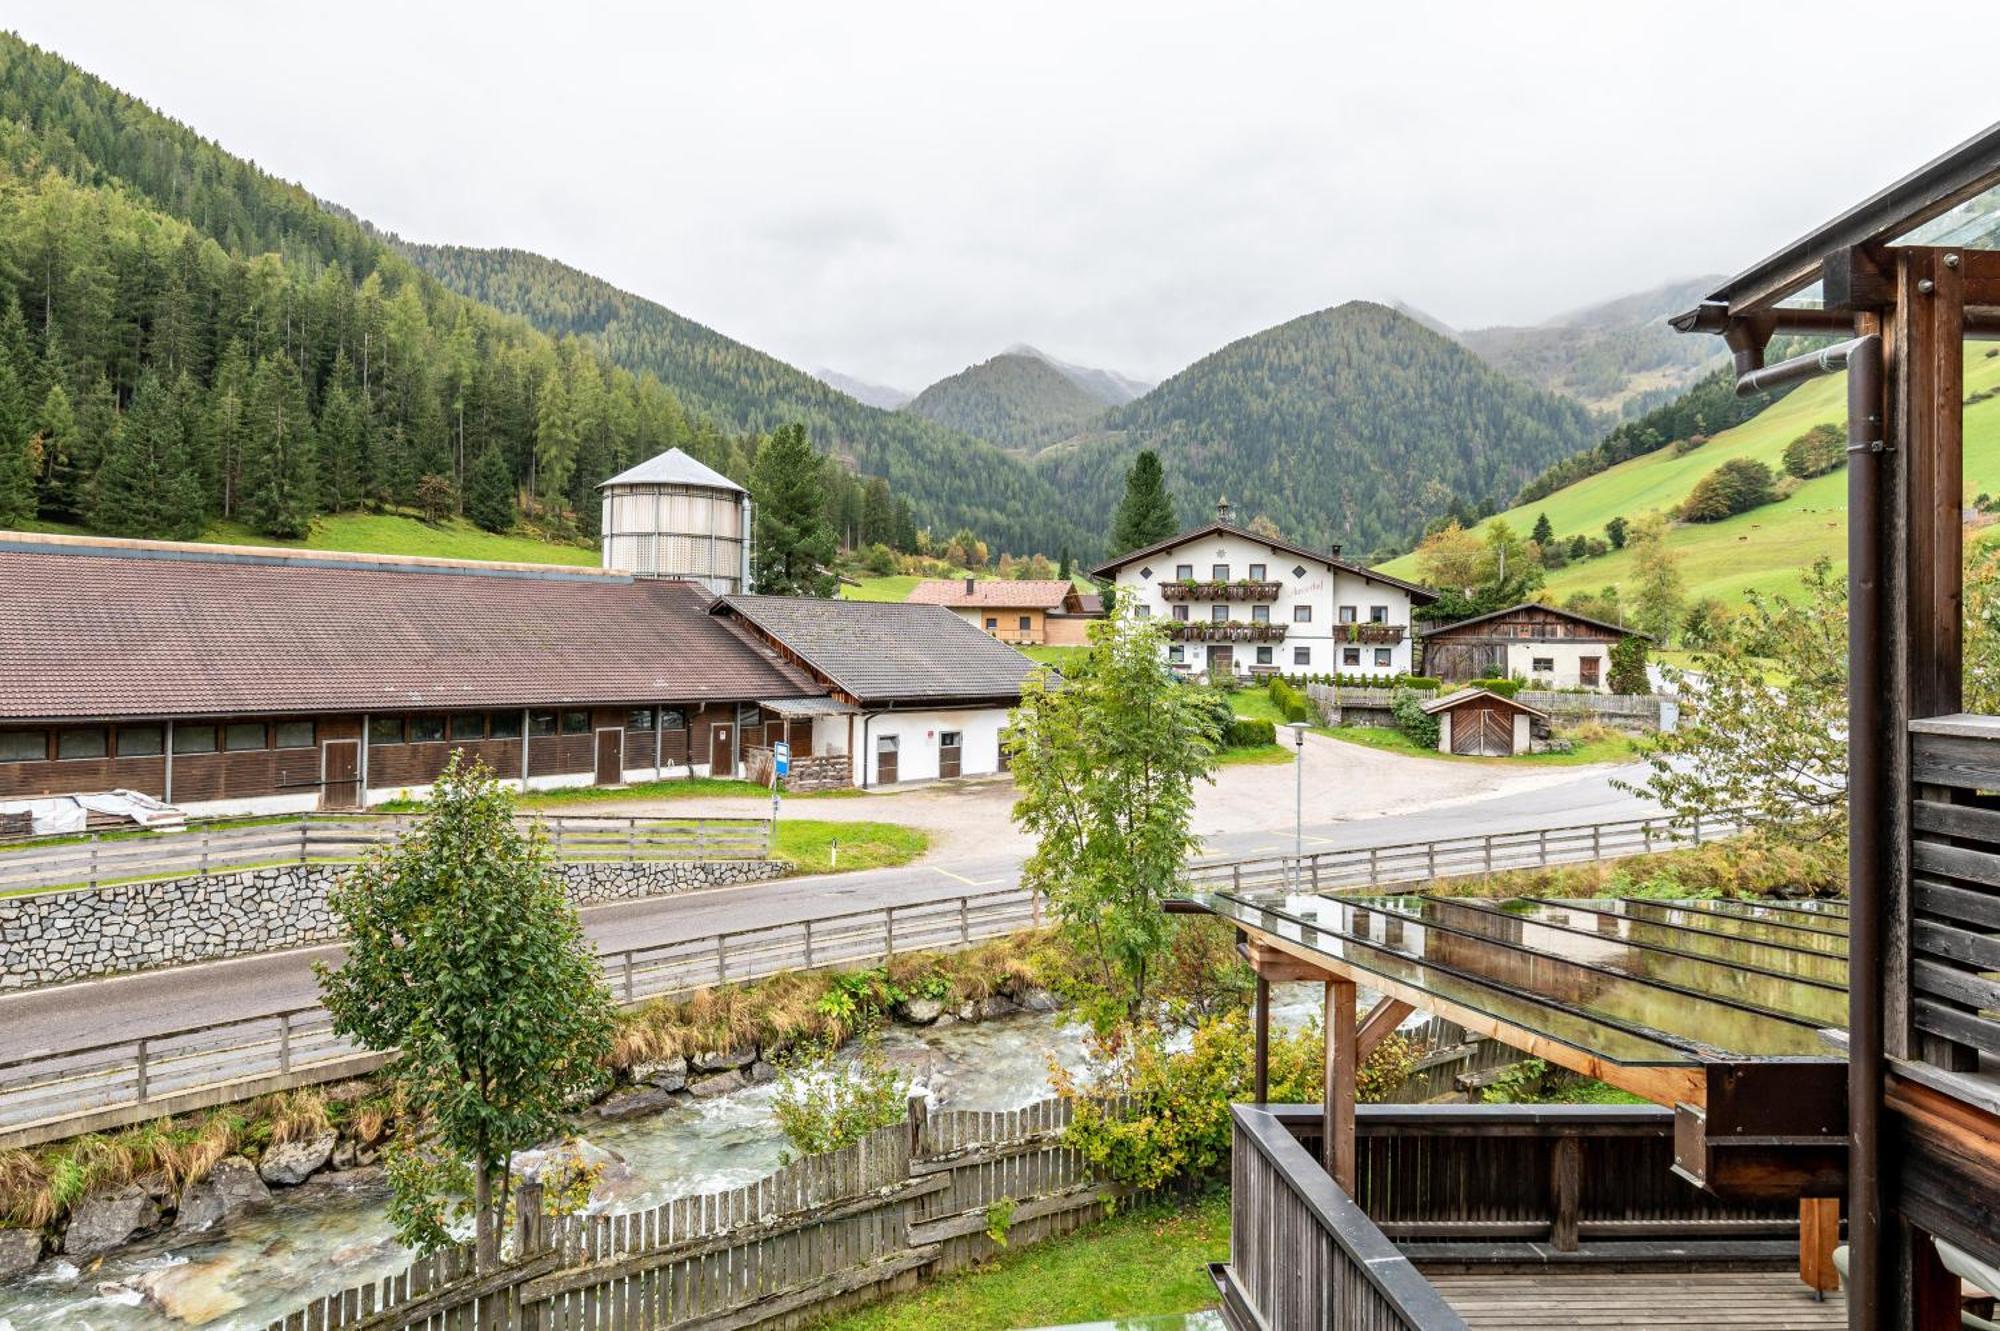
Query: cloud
[899, 190]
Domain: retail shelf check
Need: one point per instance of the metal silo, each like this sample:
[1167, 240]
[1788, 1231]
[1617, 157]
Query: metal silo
[672, 517]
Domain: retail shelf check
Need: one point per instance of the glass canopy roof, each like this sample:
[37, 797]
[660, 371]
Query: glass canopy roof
[1638, 982]
[1972, 225]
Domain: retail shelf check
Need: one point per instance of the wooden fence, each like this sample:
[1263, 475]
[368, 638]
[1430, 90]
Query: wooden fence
[48, 1096]
[98, 858]
[1457, 857]
[820, 1234]
[1629, 711]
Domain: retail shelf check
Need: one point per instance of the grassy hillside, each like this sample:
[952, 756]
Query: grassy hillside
[394, 534]
[1765, 548]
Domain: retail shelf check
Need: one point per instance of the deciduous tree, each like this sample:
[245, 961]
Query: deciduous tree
[466, 958]
[1657, 593]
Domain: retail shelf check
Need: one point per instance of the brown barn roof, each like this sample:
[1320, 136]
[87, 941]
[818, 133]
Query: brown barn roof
[994, 593]
[149, 629]
[886, 652]
[1440, 630]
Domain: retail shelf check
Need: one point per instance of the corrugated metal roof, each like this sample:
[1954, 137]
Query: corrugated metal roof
[674, 467]
[103, 634]
[884, 652]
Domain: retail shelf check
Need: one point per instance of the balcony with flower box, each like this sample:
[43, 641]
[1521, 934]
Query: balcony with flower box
[1242, 589]
[1182, 630]
[1379, 635]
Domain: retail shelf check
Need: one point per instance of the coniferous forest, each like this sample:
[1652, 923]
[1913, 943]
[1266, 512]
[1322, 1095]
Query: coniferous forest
[184, 338]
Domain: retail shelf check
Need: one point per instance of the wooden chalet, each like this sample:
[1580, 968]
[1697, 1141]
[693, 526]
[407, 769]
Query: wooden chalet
[1822, 1143]
[1560, 648]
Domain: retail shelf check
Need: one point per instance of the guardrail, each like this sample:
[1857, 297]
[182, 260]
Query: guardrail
[52, 1095]
[1459, 857]
[99, 858]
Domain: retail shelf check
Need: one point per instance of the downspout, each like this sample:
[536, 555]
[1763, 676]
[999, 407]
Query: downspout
[167, 777]
[1869, 751]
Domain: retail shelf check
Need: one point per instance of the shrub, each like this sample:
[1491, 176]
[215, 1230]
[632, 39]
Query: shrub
[1411, 718]
[1249, 732]
[825, 1102]
[1816, 452]
[1688, 445]
[1506, 688]
[1628, 667]
[1290, 702]
[1421, 683]
[1737, 486]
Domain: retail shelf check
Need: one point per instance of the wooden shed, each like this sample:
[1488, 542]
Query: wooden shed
[1481, 723]
[1531, 641]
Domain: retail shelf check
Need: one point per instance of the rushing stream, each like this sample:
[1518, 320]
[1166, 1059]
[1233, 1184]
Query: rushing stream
[332, 1231]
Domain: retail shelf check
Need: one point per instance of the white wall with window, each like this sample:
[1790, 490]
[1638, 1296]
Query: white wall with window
[916, 743]
[1323, 607]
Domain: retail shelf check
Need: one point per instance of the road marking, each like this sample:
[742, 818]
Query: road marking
[956, 878]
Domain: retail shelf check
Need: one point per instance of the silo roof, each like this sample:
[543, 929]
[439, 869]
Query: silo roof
[674, 467]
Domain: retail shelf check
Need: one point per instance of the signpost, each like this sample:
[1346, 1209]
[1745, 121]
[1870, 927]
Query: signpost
[781, 766]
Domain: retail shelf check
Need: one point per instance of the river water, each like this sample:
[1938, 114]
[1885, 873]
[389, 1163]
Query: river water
[333, 1232]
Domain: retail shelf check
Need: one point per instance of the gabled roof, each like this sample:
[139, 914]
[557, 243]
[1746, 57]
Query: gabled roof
[1110, 567]
[674, 467]
[884, 652]
[999, 593]
[130, 629]
[1437, 630]
[1462, 696]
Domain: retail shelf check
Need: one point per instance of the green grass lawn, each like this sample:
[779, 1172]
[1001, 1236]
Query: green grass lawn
[1059, 657]
[1765, 548]
[1257, 755]
[895, 587]
[1615, 749]
[395, 534]
[1151, 1260]
[1257, 705]
[808, 845]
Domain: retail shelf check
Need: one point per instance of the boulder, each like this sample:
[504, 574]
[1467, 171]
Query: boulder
[291, 1163]
[997, 1005]
[106, 1218]
[920, 1011]
[230, 1187]
[20, 1249]
[669, 1075]
[636, 1102]
[725, 1062]
[760, 1072]
[1041, 1000]
[720, 1084]
[190, 1292]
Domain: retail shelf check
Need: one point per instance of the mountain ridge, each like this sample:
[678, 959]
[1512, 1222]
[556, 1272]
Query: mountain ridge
[1017, 401]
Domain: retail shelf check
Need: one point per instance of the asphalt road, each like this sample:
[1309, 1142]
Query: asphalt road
[127, 1007]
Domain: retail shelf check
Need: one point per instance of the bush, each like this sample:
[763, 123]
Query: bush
[1506, 688]
[1628, 667]
[1291, 703]
[1411, 718]
[1249, 732]
[825, 1102]
[1220, 715]
[1816, 452]
[1737, 486]
[1421, 683]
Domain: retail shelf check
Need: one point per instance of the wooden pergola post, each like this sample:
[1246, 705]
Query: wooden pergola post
[1337, 1101]
[1261, 1067]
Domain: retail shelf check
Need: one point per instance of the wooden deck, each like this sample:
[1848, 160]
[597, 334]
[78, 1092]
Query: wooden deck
[1764, 1300]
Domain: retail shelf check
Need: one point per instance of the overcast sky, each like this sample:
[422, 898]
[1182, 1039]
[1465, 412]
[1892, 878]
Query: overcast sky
[898, 191]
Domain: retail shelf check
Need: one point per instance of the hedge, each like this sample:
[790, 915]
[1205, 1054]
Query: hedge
[1249, 732]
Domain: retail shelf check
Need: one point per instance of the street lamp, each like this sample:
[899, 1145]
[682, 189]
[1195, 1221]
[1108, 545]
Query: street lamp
[1298, 729]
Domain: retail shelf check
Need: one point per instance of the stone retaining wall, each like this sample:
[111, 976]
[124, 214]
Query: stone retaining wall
[57, 937]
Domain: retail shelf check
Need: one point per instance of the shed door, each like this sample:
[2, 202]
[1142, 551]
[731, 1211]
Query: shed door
[722, 750]
[1486, 732]
[885, 761]
[1587, 671]
[950, 744]
[610, 757]
[340, 786]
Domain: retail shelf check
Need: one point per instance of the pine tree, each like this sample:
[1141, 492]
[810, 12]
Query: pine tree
[795, 543]
[280, 475]
[555, 440]
[489, 491]
[57, 442]
[17, 469]
[1614, 531]
[1544, 533]
[1145, 515]
[1062, 565]
[146, 486]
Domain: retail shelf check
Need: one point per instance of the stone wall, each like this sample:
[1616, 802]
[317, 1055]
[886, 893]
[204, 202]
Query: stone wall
[56, 937]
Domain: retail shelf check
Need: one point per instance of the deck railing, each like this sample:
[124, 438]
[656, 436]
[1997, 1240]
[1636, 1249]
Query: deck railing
[99, 858]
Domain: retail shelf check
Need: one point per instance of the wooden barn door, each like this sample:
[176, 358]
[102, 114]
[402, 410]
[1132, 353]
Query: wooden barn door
[885, 761]
[610, 757]
[1482, 732]
[340, 776]
[722, 750]
[951, 744]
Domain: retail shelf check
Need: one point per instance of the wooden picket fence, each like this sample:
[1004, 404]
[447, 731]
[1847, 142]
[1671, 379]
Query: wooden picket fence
[819, 1234]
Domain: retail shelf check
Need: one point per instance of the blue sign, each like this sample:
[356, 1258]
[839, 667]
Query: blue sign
[781, 756]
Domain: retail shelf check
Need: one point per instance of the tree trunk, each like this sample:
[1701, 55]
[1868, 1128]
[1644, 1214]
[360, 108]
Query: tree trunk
[486, 1232]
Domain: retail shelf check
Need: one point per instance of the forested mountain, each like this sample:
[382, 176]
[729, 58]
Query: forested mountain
[1107, 386]
[1354, 425]
[1016, 401]
[873, 395]
[1618, 357]
[185, 338]
[951, 479]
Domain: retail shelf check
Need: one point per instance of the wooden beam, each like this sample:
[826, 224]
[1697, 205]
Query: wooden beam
[1337, 1100]
[1929, 384]
[1275, 966]
[1935, 1293]
[1858, 277]
[1261, 1065]
[1663, 1085]
[1381, 1022]
[1819, 1235]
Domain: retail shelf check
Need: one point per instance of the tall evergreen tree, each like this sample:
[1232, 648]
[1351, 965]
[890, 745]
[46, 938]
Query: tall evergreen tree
[146, 486]
[17, 470]
[1544, 532]
[1146, 514]
[280, 475]
[57, 442]
[489, 491]
[795, 543]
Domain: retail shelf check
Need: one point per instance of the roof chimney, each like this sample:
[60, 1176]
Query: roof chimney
[968, 584]
[1223, 512]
